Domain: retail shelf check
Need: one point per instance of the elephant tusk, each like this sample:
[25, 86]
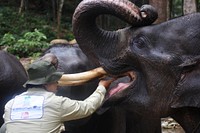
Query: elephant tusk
[71, 83]
[83, 77]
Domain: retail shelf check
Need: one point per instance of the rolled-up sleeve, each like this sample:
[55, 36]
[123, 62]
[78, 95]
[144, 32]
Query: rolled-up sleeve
[74, 109]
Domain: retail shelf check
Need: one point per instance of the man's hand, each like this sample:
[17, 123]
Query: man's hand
[106, 82]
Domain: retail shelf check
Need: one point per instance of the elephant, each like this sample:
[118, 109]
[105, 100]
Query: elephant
[164, 58]
[72, 60]
[13, 76]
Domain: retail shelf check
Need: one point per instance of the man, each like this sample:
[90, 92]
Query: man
[39, 110]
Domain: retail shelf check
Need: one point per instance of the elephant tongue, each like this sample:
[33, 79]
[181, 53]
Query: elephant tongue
[119, 87]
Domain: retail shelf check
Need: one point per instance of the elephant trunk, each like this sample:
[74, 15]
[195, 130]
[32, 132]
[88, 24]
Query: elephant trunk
[100, 44]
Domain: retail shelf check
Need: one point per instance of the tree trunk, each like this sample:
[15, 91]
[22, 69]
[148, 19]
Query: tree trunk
[54, 10]
[59, 15]
[189, 6]
[21, 6]
[162, 8]
[26, 2]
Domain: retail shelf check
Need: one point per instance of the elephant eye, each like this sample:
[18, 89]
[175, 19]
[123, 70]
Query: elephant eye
[139, 43]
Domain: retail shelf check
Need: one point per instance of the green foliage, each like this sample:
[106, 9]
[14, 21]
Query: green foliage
[19, 24]
[12, 22]
[177, 8]
[8, 40]
[30, 44]
[198, 5]
[15, 30]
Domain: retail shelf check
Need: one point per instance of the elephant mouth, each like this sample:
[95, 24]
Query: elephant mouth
[122, 83]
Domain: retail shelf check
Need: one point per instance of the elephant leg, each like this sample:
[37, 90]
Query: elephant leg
[119, 120]
[136, 123]
[112, 121]
[188, 118]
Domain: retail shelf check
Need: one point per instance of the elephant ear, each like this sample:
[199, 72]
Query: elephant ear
[187, 92]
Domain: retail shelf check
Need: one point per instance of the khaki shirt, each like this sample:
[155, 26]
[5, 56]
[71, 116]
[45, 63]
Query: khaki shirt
[49, 116]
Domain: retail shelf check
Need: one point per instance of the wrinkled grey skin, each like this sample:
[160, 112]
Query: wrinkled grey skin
[165, 58]
[12, 78]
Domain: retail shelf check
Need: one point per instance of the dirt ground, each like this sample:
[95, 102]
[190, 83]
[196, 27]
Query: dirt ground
[171, 126]
[179, 130]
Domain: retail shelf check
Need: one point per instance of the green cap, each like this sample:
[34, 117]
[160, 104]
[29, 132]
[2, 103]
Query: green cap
[42, 72]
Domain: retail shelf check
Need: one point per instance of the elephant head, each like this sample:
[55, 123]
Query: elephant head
[163, 57]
